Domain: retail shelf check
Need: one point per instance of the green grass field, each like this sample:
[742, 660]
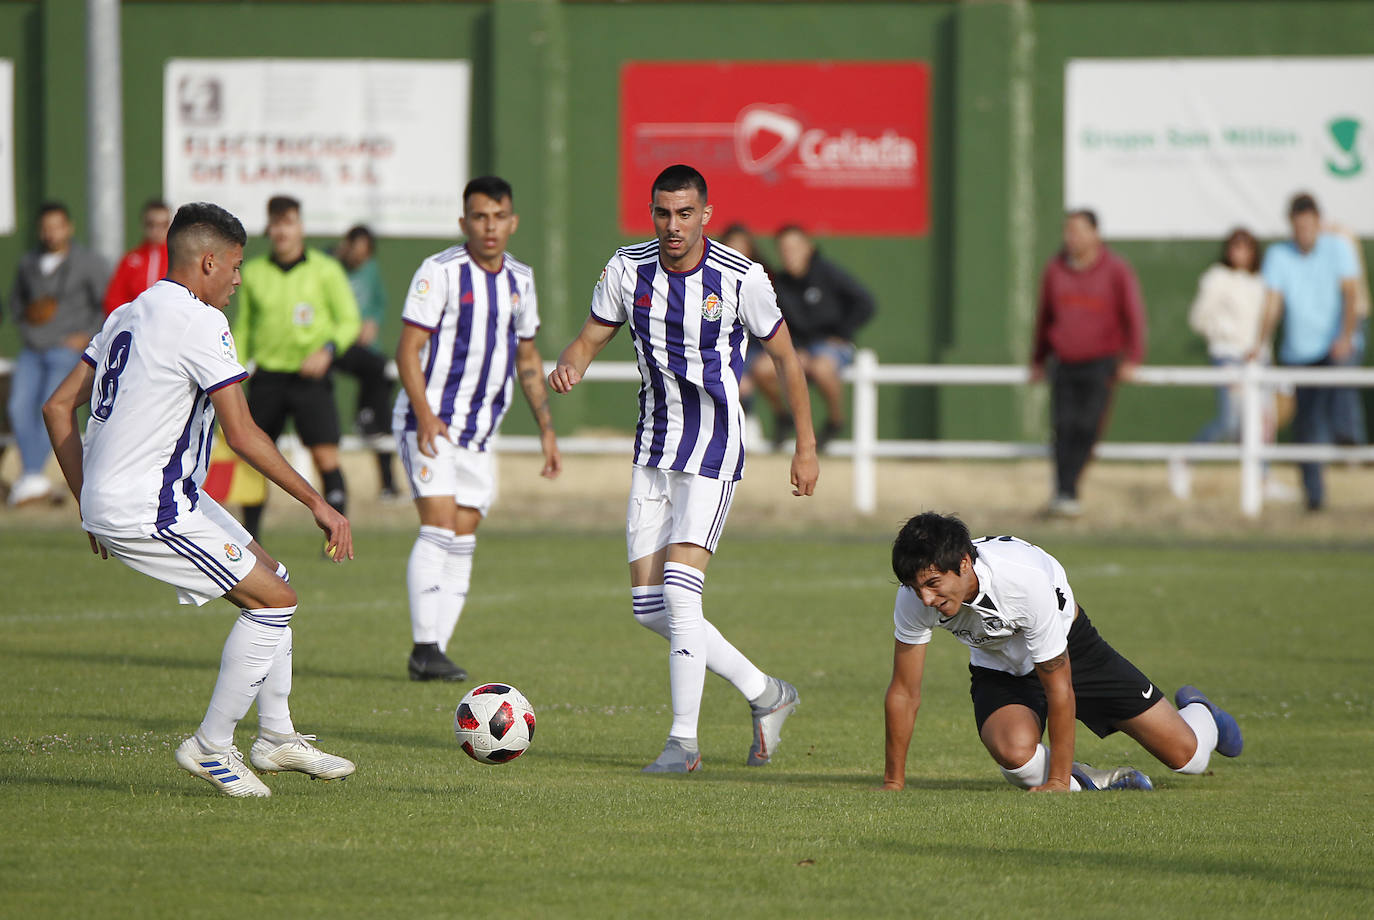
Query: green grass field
[102, 675]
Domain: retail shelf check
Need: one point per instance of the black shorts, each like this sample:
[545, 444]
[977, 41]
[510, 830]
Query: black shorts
[1107, 688]
[274, 396]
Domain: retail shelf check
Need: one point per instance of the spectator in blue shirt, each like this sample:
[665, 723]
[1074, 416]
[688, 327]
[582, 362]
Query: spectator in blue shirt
[1311, 282]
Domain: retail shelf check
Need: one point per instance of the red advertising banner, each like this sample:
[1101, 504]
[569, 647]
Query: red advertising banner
[841, 148]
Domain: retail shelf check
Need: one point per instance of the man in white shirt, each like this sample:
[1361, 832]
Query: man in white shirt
[1036, 663]
[156, 376]
[689, 301]
[470, 319]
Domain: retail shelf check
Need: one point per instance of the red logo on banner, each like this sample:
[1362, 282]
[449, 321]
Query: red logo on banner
[839, 148]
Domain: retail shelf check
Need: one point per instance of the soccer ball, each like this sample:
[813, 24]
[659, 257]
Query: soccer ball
[494, 723]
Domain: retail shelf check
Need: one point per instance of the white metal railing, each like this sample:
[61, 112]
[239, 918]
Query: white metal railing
[866, 375]
[865, 448]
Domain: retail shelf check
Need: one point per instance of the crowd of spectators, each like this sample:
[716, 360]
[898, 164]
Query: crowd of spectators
[1089, 334]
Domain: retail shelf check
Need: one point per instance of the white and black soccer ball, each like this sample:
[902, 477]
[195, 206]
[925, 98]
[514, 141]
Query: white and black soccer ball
[494, 723]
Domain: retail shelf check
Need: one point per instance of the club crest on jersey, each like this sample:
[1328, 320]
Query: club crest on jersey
[711, 308]
[426, 474]
[232, 552]
[302, 314]
[226, 345]
[514, 300]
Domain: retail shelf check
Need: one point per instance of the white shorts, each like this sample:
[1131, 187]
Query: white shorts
[667, 506]
[203, 555]
[468, 475]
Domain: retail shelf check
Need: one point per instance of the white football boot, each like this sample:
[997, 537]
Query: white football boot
[296, 753]
[768, 723]
[225, 770]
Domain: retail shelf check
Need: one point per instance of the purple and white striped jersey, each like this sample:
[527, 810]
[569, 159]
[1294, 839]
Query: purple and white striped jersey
[147, 445]
[475, 319]
[689, 334]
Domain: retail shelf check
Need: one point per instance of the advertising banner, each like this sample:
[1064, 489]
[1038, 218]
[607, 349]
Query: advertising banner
[379, 142]
[839, 147]
[1167, 148]
[6, 146]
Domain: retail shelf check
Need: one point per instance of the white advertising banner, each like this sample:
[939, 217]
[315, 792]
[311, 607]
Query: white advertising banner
[1170, 148]
[380, 142]
[6, 146]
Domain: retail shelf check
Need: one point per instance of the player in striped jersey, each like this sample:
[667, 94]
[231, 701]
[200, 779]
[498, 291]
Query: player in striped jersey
[156, 376]
[470, 319]
[689, 302]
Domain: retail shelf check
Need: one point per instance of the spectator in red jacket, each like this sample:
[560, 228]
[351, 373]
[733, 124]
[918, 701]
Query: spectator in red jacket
[1091, 322]
[141, 268]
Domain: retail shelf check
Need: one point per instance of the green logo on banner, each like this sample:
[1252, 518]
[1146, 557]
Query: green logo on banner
[1345, 132]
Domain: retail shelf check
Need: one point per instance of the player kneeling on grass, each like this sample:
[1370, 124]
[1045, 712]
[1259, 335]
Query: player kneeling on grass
[1036, 662]
[156, 376]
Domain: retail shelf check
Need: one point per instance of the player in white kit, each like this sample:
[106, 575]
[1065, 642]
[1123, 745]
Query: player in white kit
[156, 376]
[1036, 663]
[689, 302]
[470, 319]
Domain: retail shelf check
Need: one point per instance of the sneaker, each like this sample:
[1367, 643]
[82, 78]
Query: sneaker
[225, 770]
[1064, 506]
[428, 663]
[298, 754]
[30, 488]
[1277, 491]
[1229, 741]
[768, 723]
[676, 758]
[1092, 779]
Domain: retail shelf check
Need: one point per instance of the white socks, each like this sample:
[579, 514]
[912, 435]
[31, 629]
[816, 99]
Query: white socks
[1033, 772]
[425, 584]
[682, 587]
[274, 709]
[721, 657]
[243, 668]
[1199, 719]
[457, 578]
[437, 578]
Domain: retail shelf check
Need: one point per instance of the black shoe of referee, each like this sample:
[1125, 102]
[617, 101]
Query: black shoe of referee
[428, 663]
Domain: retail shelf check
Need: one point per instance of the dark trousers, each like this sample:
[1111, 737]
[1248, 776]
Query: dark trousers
[1314, 422]
[1080, 393]
[374, 389]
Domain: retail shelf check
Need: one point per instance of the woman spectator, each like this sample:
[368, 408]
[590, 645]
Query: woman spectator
[1227, 312]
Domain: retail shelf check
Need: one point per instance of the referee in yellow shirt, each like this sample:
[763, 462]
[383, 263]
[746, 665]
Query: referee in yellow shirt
[295, 312]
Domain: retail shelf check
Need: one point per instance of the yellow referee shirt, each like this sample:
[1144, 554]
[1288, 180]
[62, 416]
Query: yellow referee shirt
[284, 316]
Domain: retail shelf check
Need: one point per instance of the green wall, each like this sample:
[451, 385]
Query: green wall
[545, 91]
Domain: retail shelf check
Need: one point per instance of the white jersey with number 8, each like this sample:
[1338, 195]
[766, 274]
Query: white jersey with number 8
[147, 446]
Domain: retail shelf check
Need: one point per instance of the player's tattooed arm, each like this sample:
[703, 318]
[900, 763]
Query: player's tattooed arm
[1054, 664]
[529, 367]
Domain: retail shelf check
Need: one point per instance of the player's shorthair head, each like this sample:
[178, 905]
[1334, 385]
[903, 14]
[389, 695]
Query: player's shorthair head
[494, 187]
[281, 205]
[201, 227]
[679, 178]
[930, 539]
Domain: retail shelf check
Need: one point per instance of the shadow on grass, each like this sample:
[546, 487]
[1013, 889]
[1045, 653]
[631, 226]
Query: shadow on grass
[168, 786]
[1040, 861]
[168, 663]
